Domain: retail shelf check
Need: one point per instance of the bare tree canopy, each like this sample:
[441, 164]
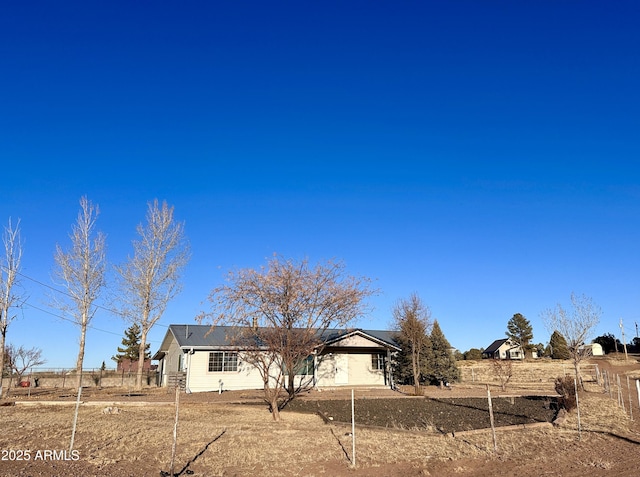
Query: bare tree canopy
[412, 321]
[279, 313]
[82, 272]
[21, 359]
[575, 325]
[9, 297]
[151, 277]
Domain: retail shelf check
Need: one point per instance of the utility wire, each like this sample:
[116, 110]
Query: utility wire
[115, 312]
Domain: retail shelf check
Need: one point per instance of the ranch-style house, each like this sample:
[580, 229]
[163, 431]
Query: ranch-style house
[203, 358]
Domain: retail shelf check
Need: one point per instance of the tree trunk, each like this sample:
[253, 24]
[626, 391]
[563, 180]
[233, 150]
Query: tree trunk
[415, 361]
[3, 336]
[80, 360]
[143, 344]
[271, 397]
[576, 367]
[291, 378]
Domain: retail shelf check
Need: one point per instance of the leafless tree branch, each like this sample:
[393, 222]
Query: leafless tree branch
[82, 272]
[279, 313]
[151, 277]
[9, 297]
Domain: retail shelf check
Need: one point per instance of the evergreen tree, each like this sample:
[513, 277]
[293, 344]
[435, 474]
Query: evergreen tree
[609, 343]
[558, 345]
[403, 363]
[541, 350]
[474, 354]
[131, 345]
[412, 321]
[520, 331]
[442, 362]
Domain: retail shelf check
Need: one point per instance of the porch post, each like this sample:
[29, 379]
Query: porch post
[388, 370]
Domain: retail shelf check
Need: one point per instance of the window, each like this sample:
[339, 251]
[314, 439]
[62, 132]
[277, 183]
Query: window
[303, 368]
[377, 361]
[221, 361]
[306, 367]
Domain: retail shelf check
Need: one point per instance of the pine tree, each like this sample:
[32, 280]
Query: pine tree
[442, 362]
[558, 345]
[131, 343]
[520, 331]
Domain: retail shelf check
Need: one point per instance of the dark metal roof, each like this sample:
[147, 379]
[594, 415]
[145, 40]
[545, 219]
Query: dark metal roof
[201, 335]
[206, 336]
[493, 347]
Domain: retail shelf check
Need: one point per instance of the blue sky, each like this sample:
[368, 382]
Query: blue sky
[483, 155]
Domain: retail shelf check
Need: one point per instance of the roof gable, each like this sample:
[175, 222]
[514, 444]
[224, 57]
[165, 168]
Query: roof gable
[360, 338]
[495, 346]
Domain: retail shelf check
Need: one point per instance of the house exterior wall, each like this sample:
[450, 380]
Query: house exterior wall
[326, 370]
[128, 365]
[359, 369]
[362, 373]
[200, 379]
[594, 349]
[170, 362]
[353, 357]
[507, 351]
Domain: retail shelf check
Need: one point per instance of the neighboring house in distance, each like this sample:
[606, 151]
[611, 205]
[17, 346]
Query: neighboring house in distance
[204, 359]
[131, 365]
[593, 349]
[503, 349]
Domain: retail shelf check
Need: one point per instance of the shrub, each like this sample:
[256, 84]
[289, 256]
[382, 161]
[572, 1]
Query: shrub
[565, 387]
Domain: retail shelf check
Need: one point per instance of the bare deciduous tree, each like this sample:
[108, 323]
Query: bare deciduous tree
[279, 313]
[412, 321]
[151, 278]
[9, 299]
[22, 359]
[82, 272]
[575, 325]
[503, 370]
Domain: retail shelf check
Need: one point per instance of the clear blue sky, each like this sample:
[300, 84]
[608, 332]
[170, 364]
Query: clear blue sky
[484, 155]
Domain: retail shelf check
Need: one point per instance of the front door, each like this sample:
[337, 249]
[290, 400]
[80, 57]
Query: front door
[342, 368]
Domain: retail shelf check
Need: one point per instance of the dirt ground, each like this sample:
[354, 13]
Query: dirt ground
[231, 434]
[444, 415]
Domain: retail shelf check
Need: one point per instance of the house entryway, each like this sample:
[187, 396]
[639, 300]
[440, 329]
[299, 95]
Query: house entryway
[342, 368]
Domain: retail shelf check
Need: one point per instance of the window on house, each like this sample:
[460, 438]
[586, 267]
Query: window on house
[306, 367]
[303, 368]
[377, 361]
[222, 361]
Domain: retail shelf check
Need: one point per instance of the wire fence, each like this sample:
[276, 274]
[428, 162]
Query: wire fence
[67, 378]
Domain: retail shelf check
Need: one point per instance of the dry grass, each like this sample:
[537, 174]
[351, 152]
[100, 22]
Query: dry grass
[226, 439]
[218, 438]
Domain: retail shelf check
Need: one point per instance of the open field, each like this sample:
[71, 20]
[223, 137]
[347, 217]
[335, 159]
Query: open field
[221, 435]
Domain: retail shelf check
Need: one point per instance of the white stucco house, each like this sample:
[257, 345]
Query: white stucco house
[204, 359]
